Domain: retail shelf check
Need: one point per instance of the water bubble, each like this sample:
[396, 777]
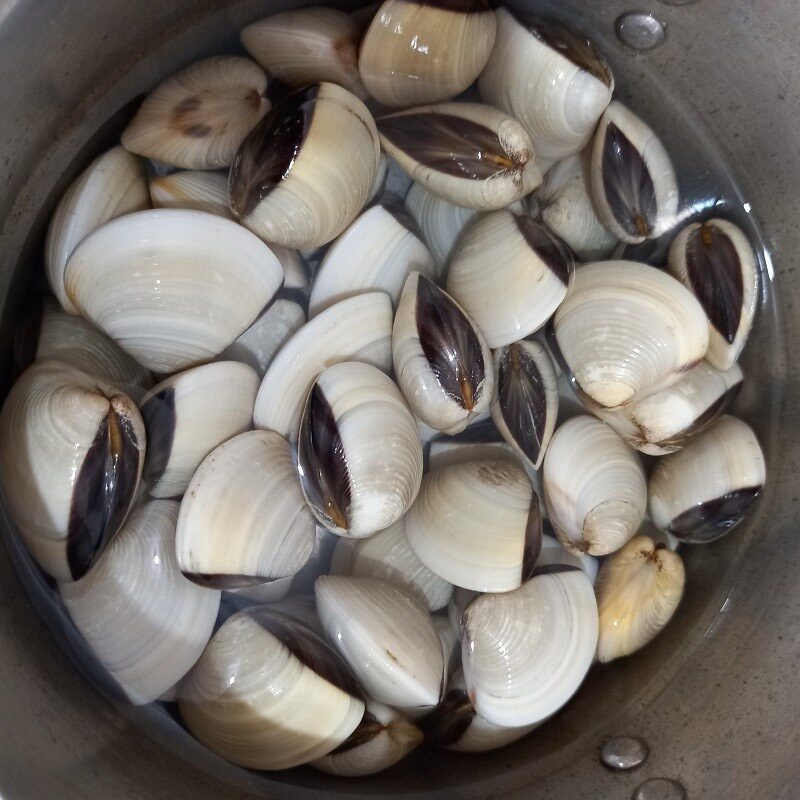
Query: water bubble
[660, 789]
[640, 30]
[623, 753]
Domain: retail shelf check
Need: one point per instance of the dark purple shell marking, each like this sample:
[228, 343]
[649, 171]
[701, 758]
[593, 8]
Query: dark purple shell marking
[558, 257]
[533, 538]
[367, 730]
[449, 721]
[707, 521]
[158, 413]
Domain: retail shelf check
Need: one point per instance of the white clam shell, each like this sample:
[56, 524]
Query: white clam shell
[627, 330]
[114, 184]
[444, 452]
[419, 53]
[594, 487]
[553, 552]
[379, 184]
[455, 608]
[387, 556]
[294, 269]
[398, 664]
[198, 117]
[702, 491]
[538, 73]
[172, 287]
[268, 693]
[450, 638]
[188, 415]
[356, 329]
[376, 253]
[270, 592]
[143, 620]
[202, 190]
[526, 652]
[243, 519]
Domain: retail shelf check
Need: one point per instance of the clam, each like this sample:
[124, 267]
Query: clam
[305, 171]
[377, 252]
[638, 589]
[398, 664]
[442, 362]
[520, 265]
[477, 524]
[553, 554]
[627, 330]
[198, 117]
[270, 592]
[308, 45]
[553, 80]
[188, 415]
[634, 187]
[466, 153]
[202, 190]
[526, 405]
[415, 52]
[663, 422]
[382, 738]
[441, 222]
[243, 519]
[381, 176]
[387, 556]
[356, 329]
[142, 619]
[716, 262]
[114, 184]
[449, 636]
[455, 608]
[702, 491]
[268, 693]
[71, 453]
[443, 452]
[594, 487]
[172, 287]
[294, 269]
[358, 453]
[526, 652]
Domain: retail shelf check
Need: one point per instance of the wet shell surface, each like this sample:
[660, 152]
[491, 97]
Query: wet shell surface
[446, 451]
[71, 455]
[243, 519]
[113, 185]
[188, 415]
[198, 117]
[202, 190]
[553, 553]
[520, 265]
[172, 287]
[699, 493]
[142, 619]
[416, 52]
[442, 362]
[269, 693]
[553, 80]
[477, 524]
[306, 170]
[466, 153]
[594, 486]
[716, 262]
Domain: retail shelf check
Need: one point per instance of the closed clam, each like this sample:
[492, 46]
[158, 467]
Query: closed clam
[442, 362]
[716, 262]
[198, 117]
[114, 184]
[172, 287]
[269, 693]
[520, 265]
[202, 190]
[455, 608]
[358, 452]
[466, 153]
[638, 590]
[71, 454]
[699, 493]
[188, 415]
[448, 450]
[306, 170]
[594, 487]
[633, 182]
[142, 619]
[553, 80]
[401, 665]
[526, 652]
[377, 252]
[477, 524]
[627, 330]
[243, 519]
[415, 52]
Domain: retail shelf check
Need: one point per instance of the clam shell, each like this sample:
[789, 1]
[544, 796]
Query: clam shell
[294, 269]
[270, 592]
[172, 287]
[444, 452]
[143, 620]
[455, 608]
[114, 184]
[198, 117]
[243, 519]
[319, 562]
[554, 553]
[202, 190]
[449, 636]
[417, 52]
[379, 184]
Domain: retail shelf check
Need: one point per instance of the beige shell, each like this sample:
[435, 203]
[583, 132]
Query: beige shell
[202, 190]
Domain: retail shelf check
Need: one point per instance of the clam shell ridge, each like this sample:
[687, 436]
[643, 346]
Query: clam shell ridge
[202, 190]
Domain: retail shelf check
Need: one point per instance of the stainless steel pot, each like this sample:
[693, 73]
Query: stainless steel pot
[717, 698]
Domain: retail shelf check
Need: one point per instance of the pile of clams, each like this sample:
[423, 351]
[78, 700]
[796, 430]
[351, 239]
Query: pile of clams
[301, 453]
